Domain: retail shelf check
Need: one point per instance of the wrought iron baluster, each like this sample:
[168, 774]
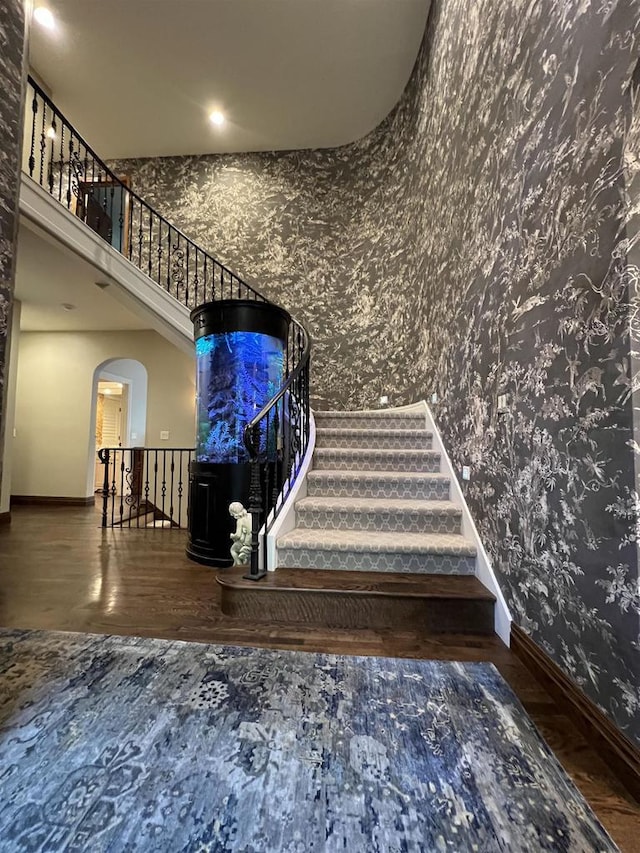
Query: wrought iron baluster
[146, 481]
[140, 236]
[53, 134]
[186, 279]
[132, 202]
[180, 492]
[195, 279]
[112, 192]
[172, 470]
[255, 508]
[155, 483]
[159, 250]
[121, 486]
[61, 162]
[276, 457]
[34, 116]
[164, 481]
[103, 456]
[150, 240]
[43, 143]
[169, 260]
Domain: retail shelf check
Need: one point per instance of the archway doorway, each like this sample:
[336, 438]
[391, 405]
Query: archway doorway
[119, 411]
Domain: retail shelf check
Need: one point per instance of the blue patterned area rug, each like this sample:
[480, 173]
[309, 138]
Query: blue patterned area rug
[127, 744]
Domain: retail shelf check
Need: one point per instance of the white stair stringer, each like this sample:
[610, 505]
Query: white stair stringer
[484, 569]
[381, 495]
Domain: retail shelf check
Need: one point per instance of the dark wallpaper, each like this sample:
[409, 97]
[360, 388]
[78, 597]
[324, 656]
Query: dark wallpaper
[11, 73]
[477, 245]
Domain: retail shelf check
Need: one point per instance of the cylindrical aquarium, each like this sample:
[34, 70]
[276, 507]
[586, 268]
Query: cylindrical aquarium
[240, 347]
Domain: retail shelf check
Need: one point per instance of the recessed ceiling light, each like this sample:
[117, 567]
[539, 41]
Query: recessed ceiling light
[68, 306]
[45, 17]
[216, 118]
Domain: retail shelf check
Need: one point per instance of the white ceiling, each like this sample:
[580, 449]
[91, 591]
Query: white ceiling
[48, 276]
[139, 78]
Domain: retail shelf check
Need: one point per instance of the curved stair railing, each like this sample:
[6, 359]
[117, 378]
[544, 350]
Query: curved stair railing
[277, 439]
[60, 160]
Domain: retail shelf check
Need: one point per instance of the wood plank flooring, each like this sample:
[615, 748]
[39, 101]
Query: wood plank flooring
[60, 571]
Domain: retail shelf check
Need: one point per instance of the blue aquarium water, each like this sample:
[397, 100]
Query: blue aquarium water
[237, 373]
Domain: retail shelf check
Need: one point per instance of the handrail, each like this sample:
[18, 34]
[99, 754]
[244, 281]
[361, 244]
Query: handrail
[63, 163]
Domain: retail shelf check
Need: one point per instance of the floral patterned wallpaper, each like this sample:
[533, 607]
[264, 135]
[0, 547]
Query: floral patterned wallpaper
[479, 244]
[11, 71]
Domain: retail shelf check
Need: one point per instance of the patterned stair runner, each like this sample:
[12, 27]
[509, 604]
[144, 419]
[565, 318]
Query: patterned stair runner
[376, 501]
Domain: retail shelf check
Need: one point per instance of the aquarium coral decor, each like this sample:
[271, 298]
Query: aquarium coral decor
[240, 351]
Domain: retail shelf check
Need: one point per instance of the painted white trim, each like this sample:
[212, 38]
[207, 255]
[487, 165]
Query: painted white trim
[484, 569]
[44, 215]
[286, 519]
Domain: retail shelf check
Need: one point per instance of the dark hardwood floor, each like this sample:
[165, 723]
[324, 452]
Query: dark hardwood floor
[59, 570]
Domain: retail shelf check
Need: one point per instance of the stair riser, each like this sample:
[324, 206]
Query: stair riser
[361, 611]
[406, 461]
[394, 522]
[335, 487]
[375, 442]
[316, 558]
[380, 421]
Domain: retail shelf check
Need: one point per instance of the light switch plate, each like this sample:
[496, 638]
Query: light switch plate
[164, 435]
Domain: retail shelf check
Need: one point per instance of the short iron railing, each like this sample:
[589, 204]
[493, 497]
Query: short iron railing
[58, 158]
[145, 486]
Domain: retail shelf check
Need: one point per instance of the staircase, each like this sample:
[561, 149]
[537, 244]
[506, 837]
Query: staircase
[378, 542]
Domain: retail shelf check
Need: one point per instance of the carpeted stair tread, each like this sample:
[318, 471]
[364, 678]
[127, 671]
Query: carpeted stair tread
[371, 414]
[401, 439]
[357, 541]
[391, 476]
[355, 504]
[376, 459]
[376, 431]
[380, 418]
[378, 484]
[398, 584]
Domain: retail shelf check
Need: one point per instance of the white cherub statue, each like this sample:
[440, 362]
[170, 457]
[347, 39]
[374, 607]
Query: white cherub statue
[241, 548]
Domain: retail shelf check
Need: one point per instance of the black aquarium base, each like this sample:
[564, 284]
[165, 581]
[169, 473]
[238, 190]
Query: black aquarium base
[212, 487]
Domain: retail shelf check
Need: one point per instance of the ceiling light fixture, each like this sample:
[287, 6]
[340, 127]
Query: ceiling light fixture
[45, 17]
[68, 306]
[216, 118]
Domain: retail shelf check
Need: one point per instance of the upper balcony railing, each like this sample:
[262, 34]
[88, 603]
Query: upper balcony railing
[57, 157]
[62, 162]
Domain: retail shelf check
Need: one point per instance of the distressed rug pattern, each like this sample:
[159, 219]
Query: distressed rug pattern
[129, 744]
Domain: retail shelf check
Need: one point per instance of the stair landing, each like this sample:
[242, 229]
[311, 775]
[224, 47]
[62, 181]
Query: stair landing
[430, 604]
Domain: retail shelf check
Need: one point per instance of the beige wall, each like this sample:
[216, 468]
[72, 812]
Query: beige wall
[10, 409]
[54, 417]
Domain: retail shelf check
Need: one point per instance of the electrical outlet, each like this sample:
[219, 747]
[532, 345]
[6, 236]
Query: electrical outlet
[503, 402]
[384, 400]
[466, 472]
[434, 398]
[164, 435]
